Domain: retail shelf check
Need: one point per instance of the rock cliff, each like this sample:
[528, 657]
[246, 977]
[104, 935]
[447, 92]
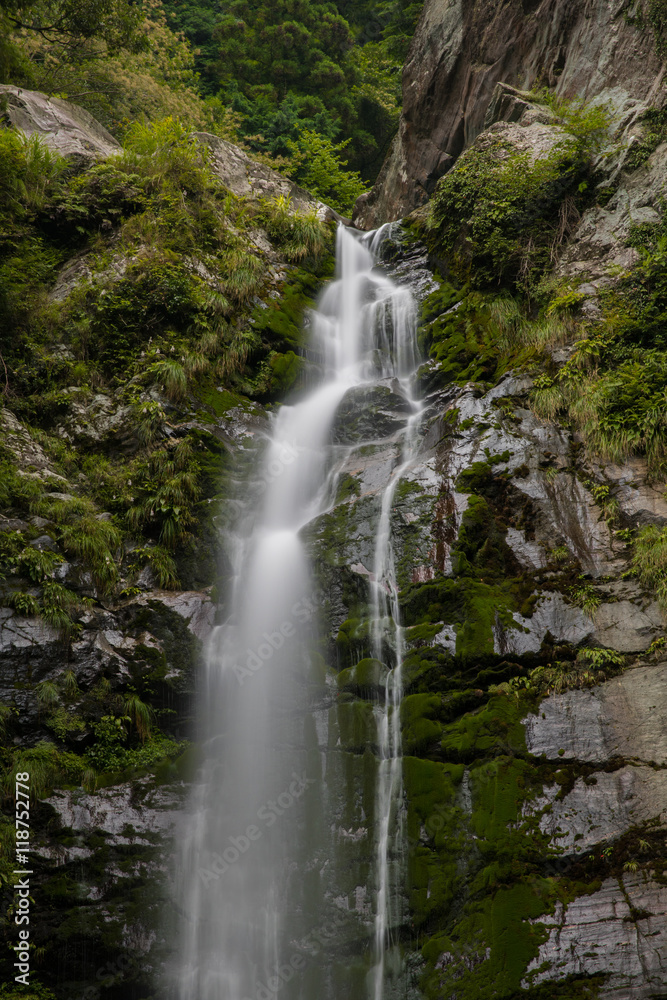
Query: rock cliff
[591, 49]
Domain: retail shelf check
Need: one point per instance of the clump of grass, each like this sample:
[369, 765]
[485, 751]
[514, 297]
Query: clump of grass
[164, 567]
[171, 377]
[140, 714]
[650, 561]
[298, 235]
[96, 542]
[47, 766]
[585, 597]
[48, 695]
[173, 488]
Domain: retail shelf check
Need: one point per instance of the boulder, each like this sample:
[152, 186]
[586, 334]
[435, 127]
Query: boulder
[247, 177]
[63, 127]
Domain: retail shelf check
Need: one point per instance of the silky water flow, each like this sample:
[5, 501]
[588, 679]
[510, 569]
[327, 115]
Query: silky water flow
[292, 865]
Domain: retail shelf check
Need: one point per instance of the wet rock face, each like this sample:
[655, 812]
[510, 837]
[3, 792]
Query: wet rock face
[462, 50]
[370, 414]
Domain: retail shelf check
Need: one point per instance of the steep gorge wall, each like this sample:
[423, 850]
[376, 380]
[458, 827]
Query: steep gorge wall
[580, 48]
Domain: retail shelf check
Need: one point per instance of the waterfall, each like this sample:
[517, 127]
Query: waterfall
[269, 906]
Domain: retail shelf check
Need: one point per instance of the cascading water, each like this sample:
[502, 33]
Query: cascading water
[268, 895]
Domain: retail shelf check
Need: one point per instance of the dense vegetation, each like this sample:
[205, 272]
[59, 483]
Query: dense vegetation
[314, 87]
[497, 223]
[170, 321]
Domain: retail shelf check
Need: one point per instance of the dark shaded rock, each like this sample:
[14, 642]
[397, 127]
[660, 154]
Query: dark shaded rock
[370, 415]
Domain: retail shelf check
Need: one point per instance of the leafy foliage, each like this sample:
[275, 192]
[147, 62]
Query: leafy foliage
[501, 213]
[316, 165]
[290, 67]
[613, 386]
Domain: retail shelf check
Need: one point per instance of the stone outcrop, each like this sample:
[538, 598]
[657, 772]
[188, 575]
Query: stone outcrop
[72, 132]
[599, 250]
[247, 177]
[582, 48]
[64, 127]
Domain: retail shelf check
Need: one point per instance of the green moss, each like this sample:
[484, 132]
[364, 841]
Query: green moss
[420, 634]
[365, 679]
[357, 725]
[494, 728]
[486, 589]
[491, 216]
[421, 730]
[280, 322]
[491, 946]
[348, 487]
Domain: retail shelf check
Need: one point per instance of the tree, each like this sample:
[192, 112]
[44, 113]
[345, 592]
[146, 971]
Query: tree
[71, 22]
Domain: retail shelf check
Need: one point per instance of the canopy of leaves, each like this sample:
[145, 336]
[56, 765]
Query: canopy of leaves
[300, 64]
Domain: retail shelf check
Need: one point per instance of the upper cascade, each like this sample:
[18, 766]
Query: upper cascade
[261, 769]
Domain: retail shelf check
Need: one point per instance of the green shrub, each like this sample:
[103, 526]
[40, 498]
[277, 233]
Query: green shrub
[316, 164]
[47, 766]
[167, 495]
[28, 173]
[499, 214]
[299, 236]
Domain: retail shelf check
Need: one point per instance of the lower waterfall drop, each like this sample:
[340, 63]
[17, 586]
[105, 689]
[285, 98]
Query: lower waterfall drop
[290, 883]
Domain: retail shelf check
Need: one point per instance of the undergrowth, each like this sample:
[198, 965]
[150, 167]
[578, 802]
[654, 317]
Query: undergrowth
[501, 214]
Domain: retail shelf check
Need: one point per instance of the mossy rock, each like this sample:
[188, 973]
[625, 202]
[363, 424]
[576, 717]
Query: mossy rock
[366, 679]
[494, 728]
[357, 725]
[420, 722]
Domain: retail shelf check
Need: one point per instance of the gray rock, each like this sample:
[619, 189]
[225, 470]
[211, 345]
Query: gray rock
[30, 457]
[603, 933]
[625, 717]
[196, 608]
[131, 813]
[63, 127]
[604, 806]
[598, 250]
[44, 542]
[459, 53]
[553, 616]
[95, 420]
[8, 524]
[250, 178]
[627, 627]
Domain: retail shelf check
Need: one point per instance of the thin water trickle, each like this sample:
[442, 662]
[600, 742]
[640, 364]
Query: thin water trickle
[260, 865]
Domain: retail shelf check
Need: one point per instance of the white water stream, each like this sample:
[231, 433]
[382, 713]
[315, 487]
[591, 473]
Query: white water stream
[264, 911]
